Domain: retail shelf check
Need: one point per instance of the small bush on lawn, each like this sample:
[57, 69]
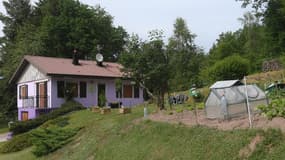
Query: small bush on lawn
[17, 143]
[24, 126]
[47, 140]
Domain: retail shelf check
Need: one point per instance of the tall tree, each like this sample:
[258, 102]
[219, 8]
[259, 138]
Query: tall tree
[68, 24]
[18, 12]
[274, 21]
[185, 57]
[147, 64]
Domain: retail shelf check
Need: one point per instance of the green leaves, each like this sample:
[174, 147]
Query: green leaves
[276, 108]
[47, 140]
[233, 67]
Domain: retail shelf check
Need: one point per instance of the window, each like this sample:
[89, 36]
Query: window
[82, 90]
[127, 91]
[136, 92]
[72, 89]
[23, 92]
[60, 89]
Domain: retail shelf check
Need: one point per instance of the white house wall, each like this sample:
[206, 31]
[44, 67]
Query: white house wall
[31, 73]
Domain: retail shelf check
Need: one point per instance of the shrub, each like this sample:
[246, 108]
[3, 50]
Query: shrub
[47, 140]
[233, 67]
[276, 108]
[200, 105]
[59, 122]
[17, 143]
[24, 126]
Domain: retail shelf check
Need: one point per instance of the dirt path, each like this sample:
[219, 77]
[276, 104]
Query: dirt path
[188, 118]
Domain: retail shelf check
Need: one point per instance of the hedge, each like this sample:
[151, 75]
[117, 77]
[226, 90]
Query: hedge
[17, 143]
[47, 140]
[24, 126]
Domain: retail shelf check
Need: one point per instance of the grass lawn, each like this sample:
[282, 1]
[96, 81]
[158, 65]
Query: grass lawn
[116, 136]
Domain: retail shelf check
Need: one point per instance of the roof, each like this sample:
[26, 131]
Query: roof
[52, 66]
[226, 84]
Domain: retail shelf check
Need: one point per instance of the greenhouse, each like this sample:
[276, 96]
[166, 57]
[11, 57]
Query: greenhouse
[227, 99]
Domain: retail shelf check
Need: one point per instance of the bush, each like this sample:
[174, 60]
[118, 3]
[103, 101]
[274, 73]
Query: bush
[47, 140]
[275, 109]
[17, 143]
[24, 126]
[233, 67]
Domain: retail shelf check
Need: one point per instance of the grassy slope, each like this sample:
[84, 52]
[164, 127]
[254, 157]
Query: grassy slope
[266, 77]
[117, 137]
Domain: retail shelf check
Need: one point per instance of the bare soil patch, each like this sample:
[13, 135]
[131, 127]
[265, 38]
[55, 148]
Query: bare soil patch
[188, 118]
[249, 149]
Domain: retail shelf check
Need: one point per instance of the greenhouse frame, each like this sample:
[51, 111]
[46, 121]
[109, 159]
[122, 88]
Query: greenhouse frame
[234, 92]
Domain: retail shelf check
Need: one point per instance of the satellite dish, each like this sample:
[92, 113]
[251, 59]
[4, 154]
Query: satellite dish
[99, 59]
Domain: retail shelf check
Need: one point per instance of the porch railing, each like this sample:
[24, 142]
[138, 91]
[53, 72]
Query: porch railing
[40, 102]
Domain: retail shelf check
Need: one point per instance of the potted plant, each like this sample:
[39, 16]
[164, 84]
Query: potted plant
[102, 104]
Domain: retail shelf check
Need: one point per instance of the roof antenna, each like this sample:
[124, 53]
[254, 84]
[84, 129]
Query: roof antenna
[75, 57]
[99, 56]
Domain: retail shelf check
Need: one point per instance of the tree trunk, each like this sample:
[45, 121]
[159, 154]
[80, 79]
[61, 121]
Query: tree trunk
[161, 100]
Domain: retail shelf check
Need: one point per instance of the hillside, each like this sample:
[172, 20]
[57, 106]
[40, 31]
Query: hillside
[116, 136]
[265, 78]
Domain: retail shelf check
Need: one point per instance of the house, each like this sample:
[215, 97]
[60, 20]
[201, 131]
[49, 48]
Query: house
[43, 82]
[233, 94]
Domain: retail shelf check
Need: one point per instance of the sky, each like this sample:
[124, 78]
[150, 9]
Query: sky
[205, 18]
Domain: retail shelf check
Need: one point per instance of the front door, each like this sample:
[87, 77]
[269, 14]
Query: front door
[42, 95]
[101, 95]
[24, 115]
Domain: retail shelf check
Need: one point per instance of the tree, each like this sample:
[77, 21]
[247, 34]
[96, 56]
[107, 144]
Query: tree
[68, 24]
[18, 12]
[184, 56]
[233, 67]
[258, 5]
[229, 43]
[274, 21]
[147, 64]
[272, 13]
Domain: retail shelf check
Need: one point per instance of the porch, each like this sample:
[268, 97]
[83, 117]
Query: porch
[37, 102]
[34, 106]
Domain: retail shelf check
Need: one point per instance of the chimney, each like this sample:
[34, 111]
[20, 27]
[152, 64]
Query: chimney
[75, 56]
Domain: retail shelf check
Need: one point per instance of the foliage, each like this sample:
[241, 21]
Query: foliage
[274, 21]
[149, 66]
[47, 140]
[18, 13]
[17, 143]
[102, 100]
[276, 93]
[276, 108]
[24, 126]
[185, 57]
[61, 121]
[233, 67]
